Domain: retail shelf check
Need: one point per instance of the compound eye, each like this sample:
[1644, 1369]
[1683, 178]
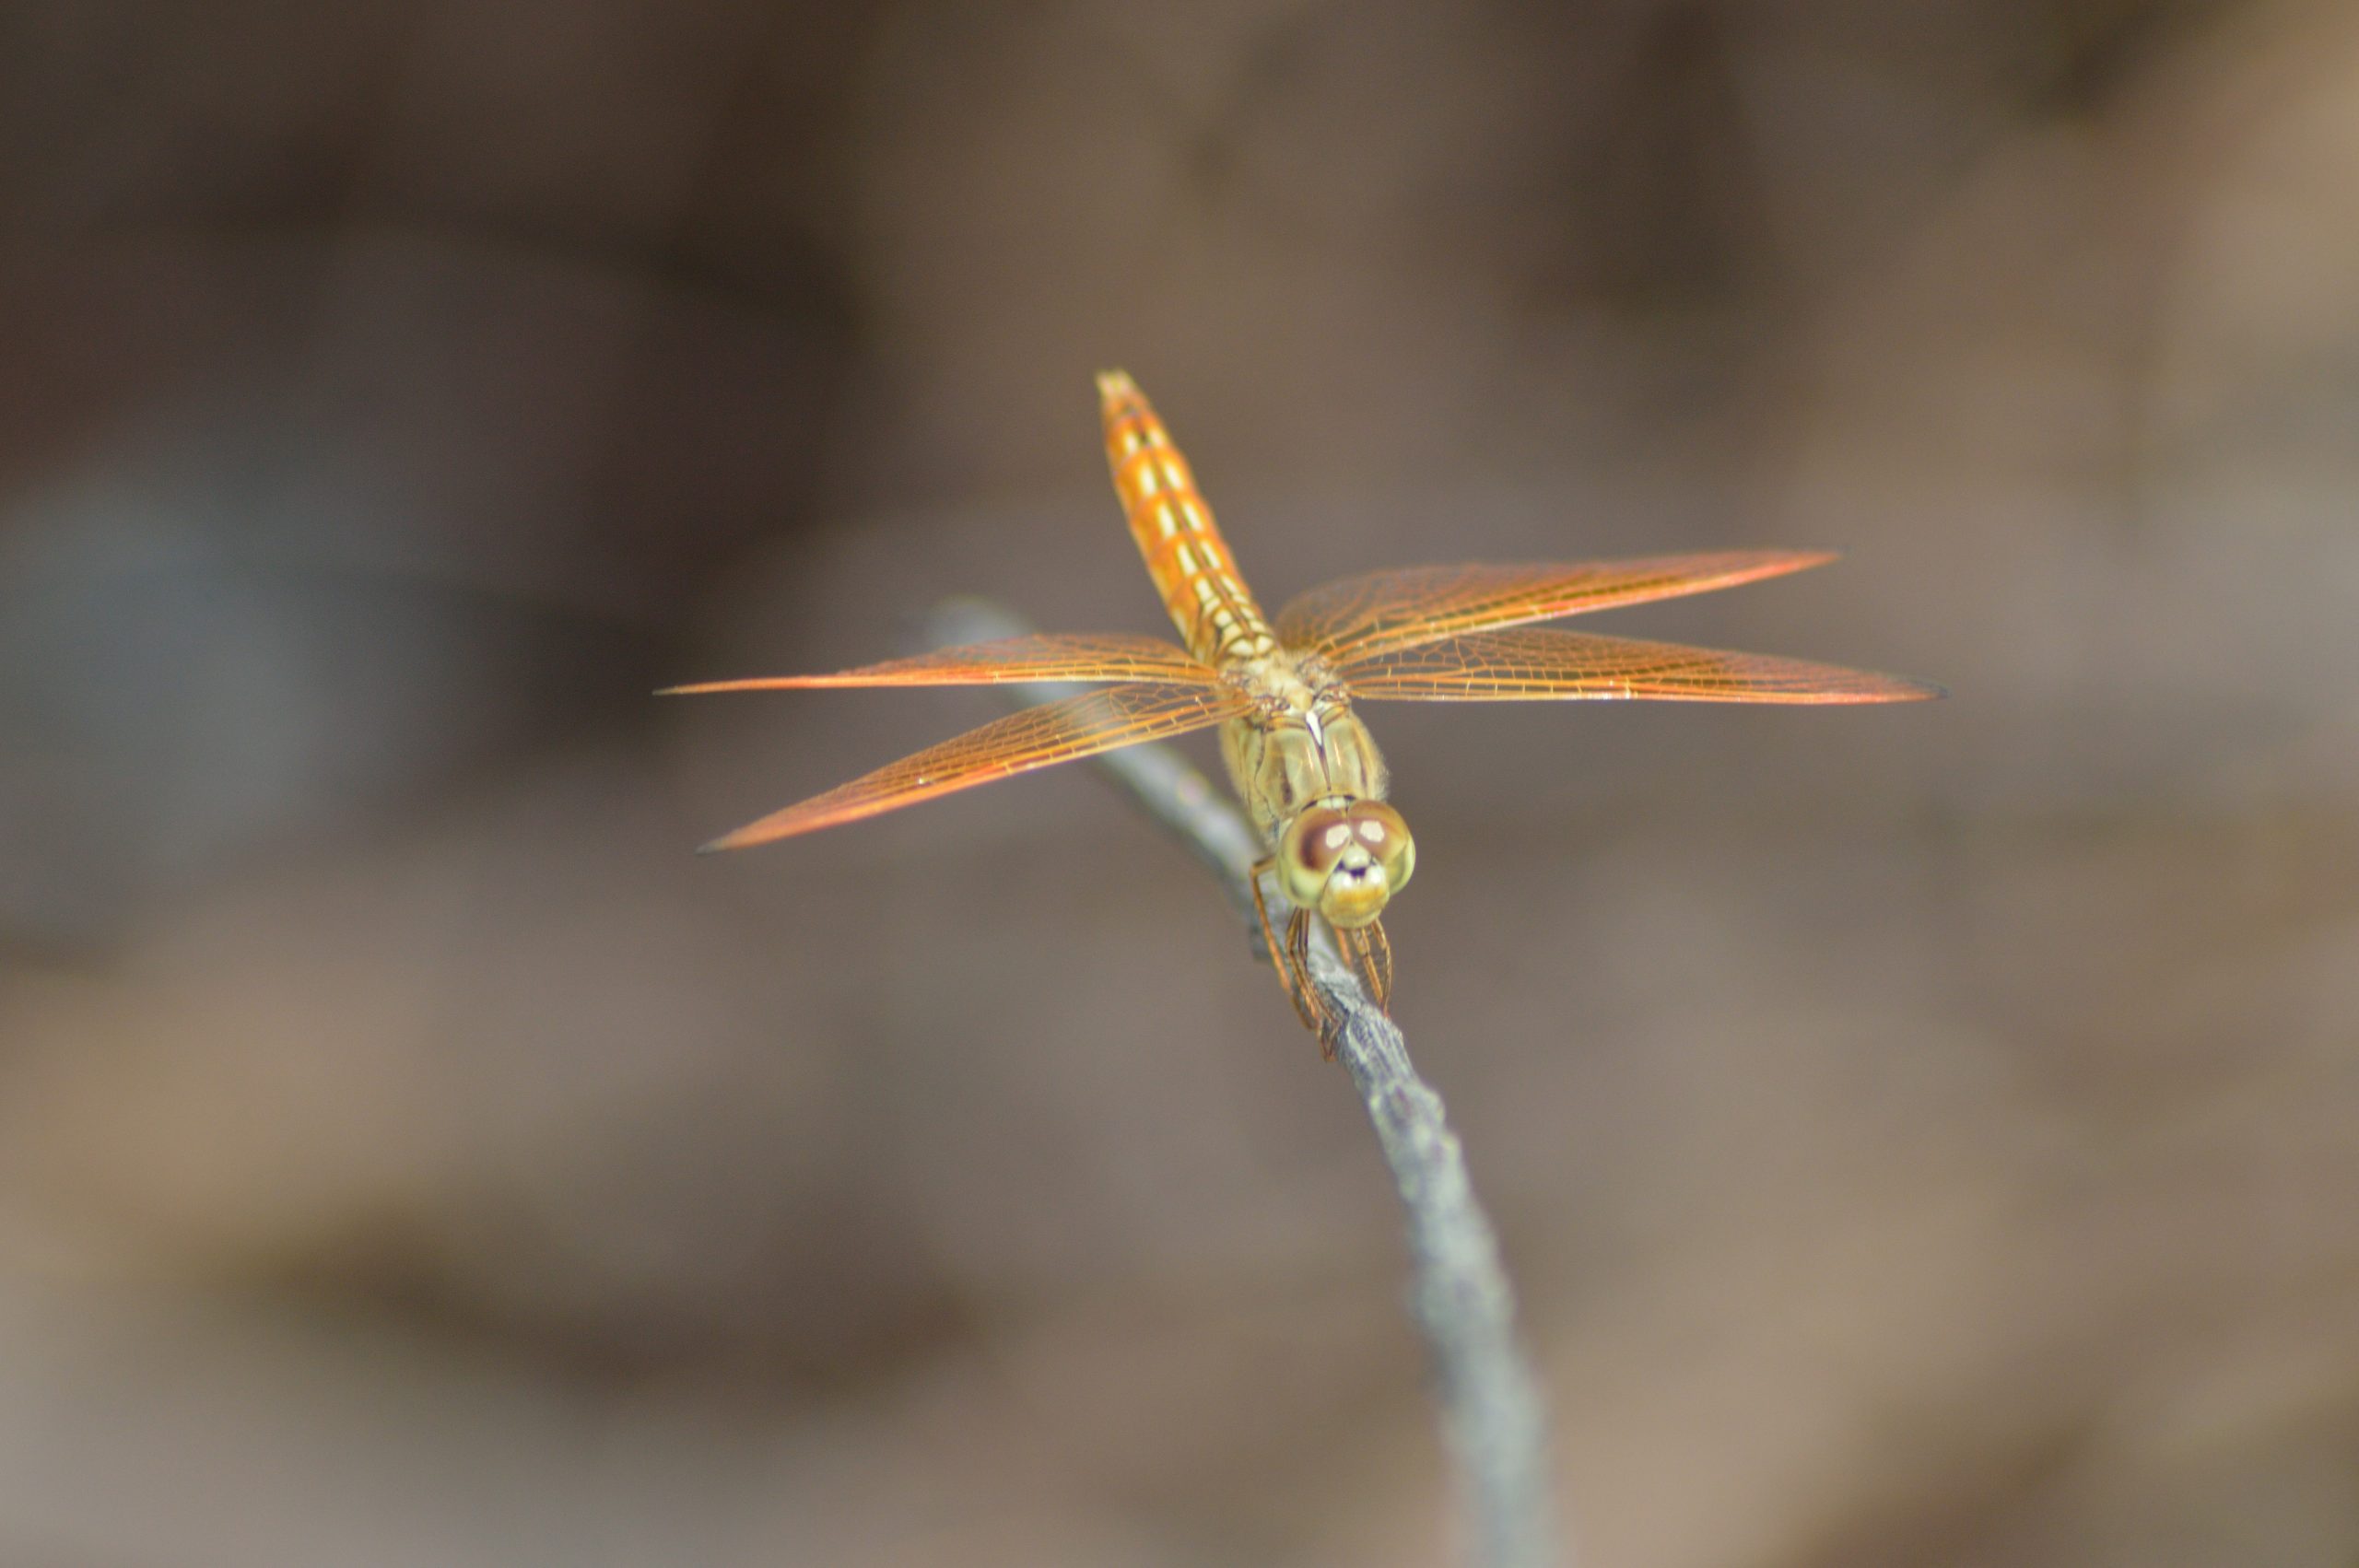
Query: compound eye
[1383, 833]
[1323, 835]
[1313, 841]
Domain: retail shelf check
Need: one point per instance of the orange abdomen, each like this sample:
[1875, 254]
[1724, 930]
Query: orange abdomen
[1186, 556]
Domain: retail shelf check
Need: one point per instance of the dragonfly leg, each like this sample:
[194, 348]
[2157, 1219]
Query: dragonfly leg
[1279, 953]
[1270, 949]
[1291, 958]
[1308, 1004]
[1368, 952]
[1293, 977]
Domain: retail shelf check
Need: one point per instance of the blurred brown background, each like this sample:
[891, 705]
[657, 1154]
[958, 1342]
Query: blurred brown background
[1922, 1136]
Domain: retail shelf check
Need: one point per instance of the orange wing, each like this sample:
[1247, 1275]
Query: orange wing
[1111, 657]
[1037, 737]
[1536, 663]
[1380, 611]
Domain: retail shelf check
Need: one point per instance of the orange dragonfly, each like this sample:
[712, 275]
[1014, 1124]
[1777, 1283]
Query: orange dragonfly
[1305, 767]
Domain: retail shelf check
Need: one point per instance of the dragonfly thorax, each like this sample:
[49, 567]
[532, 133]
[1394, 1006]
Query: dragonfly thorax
[1300, 743]
[1313, 781]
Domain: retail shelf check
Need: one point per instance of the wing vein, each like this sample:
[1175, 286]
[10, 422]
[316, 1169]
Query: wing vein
[1542, 663]
[1057, 731]
[1111, 657]
[1360, 616]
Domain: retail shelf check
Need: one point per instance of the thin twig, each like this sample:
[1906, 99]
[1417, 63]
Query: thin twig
[1492, 1413]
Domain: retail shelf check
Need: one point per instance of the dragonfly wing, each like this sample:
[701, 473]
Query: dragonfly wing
[1537, 664]
[1072, 657]
[1037, 737]
[1357, 616]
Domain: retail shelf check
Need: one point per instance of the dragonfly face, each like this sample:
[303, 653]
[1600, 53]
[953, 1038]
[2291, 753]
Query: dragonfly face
[1345, 859]
[1282, 693]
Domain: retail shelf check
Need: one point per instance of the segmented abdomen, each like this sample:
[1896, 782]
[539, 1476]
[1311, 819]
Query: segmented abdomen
[1186, 556]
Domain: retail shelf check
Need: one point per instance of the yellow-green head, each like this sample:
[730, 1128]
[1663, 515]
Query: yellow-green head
[1345, 859]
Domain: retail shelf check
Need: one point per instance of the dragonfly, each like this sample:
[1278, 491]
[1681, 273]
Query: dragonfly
[1283, 693]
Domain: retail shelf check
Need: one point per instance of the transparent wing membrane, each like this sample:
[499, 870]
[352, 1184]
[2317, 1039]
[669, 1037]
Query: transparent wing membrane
[1540, 663]
[1110, 656]
[1037, 737]
[1380, 611]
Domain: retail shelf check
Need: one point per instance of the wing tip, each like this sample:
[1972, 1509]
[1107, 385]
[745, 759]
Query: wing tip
[744, 838]
[1777, 563]
[1886, 688]
[750, 684]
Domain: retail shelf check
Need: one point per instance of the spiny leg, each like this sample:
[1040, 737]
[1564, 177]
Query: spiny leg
[1262, 907]
[1315, 1017]
[1293, 980]
[1368, 952]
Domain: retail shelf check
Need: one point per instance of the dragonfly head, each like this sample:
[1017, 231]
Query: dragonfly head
[1347, 860]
